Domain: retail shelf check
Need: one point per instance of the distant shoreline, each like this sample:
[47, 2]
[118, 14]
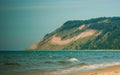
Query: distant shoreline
[66, 50]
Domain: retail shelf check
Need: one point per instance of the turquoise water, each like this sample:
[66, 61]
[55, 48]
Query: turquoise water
[61, 62]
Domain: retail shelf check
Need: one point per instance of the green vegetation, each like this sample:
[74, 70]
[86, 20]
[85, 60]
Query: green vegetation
[108, 39]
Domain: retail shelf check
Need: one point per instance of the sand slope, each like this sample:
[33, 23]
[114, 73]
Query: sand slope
[58, 41]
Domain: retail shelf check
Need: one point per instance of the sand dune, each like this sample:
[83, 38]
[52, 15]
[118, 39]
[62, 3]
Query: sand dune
[81, 27]
[58, 41]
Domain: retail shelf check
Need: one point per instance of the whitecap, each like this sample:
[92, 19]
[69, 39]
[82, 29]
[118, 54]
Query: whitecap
[84, 68]
[73, 60]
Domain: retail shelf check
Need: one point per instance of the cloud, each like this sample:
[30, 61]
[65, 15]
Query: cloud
[61, 5]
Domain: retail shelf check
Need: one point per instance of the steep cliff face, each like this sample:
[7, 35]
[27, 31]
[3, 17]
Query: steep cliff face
[98, 33]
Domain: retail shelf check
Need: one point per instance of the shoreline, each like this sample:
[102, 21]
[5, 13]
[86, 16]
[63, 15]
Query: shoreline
[111, 70]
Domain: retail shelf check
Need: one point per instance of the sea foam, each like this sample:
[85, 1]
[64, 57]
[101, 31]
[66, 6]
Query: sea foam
[73, 60]
[84, 68]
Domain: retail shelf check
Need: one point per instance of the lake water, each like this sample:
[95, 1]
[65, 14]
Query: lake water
[56, 62]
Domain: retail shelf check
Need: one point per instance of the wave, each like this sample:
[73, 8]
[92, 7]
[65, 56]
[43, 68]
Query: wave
[11, 64]
[73, 60]
[79, 68]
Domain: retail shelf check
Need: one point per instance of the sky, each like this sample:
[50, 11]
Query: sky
[24, 22]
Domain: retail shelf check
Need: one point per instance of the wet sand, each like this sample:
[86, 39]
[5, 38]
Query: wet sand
[32, 72]
[112, 70]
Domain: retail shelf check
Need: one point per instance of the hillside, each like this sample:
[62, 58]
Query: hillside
[97, 33]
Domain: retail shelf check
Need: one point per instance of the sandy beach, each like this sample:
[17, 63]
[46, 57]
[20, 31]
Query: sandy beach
[112, 70]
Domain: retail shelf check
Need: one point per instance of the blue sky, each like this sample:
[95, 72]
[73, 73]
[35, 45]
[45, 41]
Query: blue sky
[24, 22]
